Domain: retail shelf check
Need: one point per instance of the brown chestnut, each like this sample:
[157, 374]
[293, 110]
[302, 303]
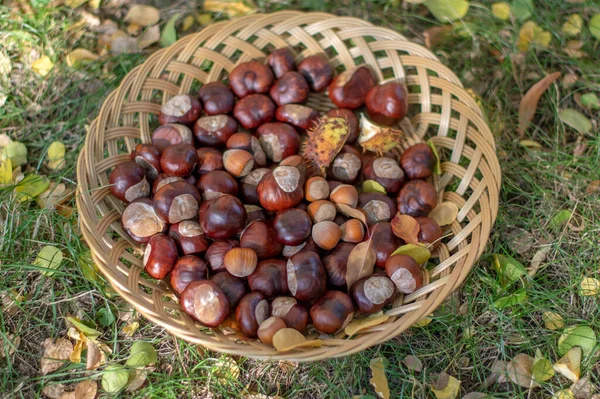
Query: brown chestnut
[205, 302]
[214, 130]
[176, 201]
[346, 165]
[317, 71]
[249, 184]
[292, 226]
[222, 217]
[336, 264]
[326, 234]
[160, 256]
[269, 278]
[189, 237]
[384, 242]
[278, 140]
[148, 157]
[280, 189]
[209, 159]
[261, 238]
[322, 210]
[372, 293]
[430, 231]
[247, 142]
[281, 61]
[300, 116]
[418, 161]
[349, 89]
[128, 182]
[306, 276]
[238, 162]
[268, 328]
[404, 271]
[291, 250]
[387, 103]
[254, 110]
[316, 188]
[252, 310]
[217, 98]
[255, 213]
[289, 89]
[250, 77]
[169, 134]
[378, 207]
[386, 172]
[417, 198]
[162, 180]
[182, 108]
[297, 161]
[188, 268]
[179, 159]
[233, 287]
[291, 312]
[215, 183]
[240, 262]
[216, 253]
[141, 222]
[352, 120]
[353, 231]
[332, 312]
[344, 194]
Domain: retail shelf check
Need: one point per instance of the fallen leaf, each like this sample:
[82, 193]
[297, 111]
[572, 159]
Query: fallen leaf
[10, 345]
[287, 339]
[530, 144]
[76, 354]
[86, 390]
[130, 329]
[592, 188]
[95, 356]
[590, 286]
[30, 187]
[49, 258]
[531, 33]
[17, 152]
[226, 369]
[520, 241]
[590, 101]
[55, 354]
[406, 227]
[497, 374]
[232, 8]
[569, 80]
[143, 15]
[509, 269]
[519, 371]
[572, 26]
[352, 213]
[538, 258]
[42, 65]
[86, 330]
[576, 120]
[413, 363]
[417, 252]
[522, 9]
[4, 138]
[444, 213]
[6, 171]
[137, 377]
[542, 368]
[371, 186]
[142, 354]
[360, 262]
[477, 395]
[80, 56]
[423, 322]
[74, 3]
[114, 378]
[437, 166]
[188, 21]
[570, 364]
[357, 325]
[169, 34]
[437, 35]
[54, 195]
[560, 219]
[53, 391]
[501, 10]
[583, 388]
[134, 29]
[445, 386]
[204, 19]
[517, 297]
[447, 10]
[379, 379]
[595, 26]
[582, 336]
[552, 320]
[529, 103]
[573, 49]
[563, 394]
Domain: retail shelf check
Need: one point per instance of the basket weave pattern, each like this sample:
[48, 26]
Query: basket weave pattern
[439, 109]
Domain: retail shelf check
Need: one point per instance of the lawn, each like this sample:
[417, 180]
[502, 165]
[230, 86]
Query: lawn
[549, 218]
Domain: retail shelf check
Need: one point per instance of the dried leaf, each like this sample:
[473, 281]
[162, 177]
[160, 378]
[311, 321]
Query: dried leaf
[501, 10]
[80, 56]
[570, 364]
[425, 321]
[124, 45]
[143, 15]
[379, 380]
[595, 26]
[53, 391]
[520, 241]
[563, 394]
[360, 262]
[168, 35]
[114, 378]
[522, 9]
[232, 8]
[49, 258]
[86, 390]
[406, 227]
[542, 368]
[150, 36]
[572, 26]
[576, 120]
[437, 35]
[130, 329]
[531, 33]
[55, 354]
[188, 21]
[538, 258]
[76, 354]
[10, 345]
[137, 377]
[552, 321]
[357, 325]
[417, 252]
[582, 336]
[530, 144]
[42, 66]
[530, 101]
[413, 363]
[95, 356]
[447, 10]
[444, 213]
[590, 286]
[204, 19]
[54, 195]
[6, 171]
[142, 354]
[445, 386]
[371, 186]
[583, 388]
[519, 371]
[287, 339]
[352, 213]
[226, 369]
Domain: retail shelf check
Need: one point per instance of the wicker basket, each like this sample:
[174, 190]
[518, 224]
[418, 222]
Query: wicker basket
[439, 109]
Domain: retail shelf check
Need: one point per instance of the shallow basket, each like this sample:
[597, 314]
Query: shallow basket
[440, 110]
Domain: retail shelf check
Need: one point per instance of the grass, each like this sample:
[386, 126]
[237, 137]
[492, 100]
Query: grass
[466, 335]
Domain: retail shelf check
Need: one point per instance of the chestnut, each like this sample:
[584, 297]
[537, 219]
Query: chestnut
[297, 161]
[261, 238]
[222, 217]
[233, 287]
[254, 110]
[217, 98]
[322, 210]
[249, 184]
[176, 201]
[346, 165]
[326, 234]
[291, 312]
[316, 188]
[384, 242]
[268, 328]
[162, 180]
[140, 221]
[214, 130]
[352, 120]
[281, 61]
[148, 157]
[349, 89]
[179, 159]
[372, 293]
[387, 103]
[418, 161]
[182, 108]
[269, 278]
[250, 77]
[292, 226]
[216, 253]
[160, 256]
[188, 268]
[280, 188]
[344, 194]
[205, 302]
[169, 134]
[333, 184]
[317, 71]
[238, 162]
[289, 89]
[378, 207]
[305, 276]
[404, 271]
[128, 182]
[385, 171]
[290, 250]
[247, 142]
[240, 262]
[417, 198]
[215, 183]
[353, 231]
[332, 312]
[255, 213]
[252, 310]
[189, 237]
[209, 159]
[300, 116]
[336, 263]
[278, 140]
[430, 231]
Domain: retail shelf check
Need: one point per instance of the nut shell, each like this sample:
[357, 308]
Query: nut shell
[240, 262]
[378, 207]
[326, 234]
[352, 120]
[268, 328]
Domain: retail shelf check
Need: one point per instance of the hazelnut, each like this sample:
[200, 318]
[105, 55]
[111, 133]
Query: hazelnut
[233, 287]
[316, 188]
[332, 312]
[336, 264]
[128, 182]
[238, 162]
[141, 222]
[417, 198]
[209, 159]
[182, 108]
[387, 103]
[176, 201]
[189, 237]
[205, 302]
[384, 242]
[349, 89]
[160, 256]
[372, 293]
[252, 310]
[269, 278]
[300, 116]
[430, 231]
[378, 207]
[317, 71]
[215, 254]
[179, 159]
[217, 98]
[222, 217]
[305, 276]
[278, 140]
[261, 237]
[386, 172]
[321, 211]
[291, 312]
[188, 268]
[418, 161]
[352, 120]
[247, 142]
[344, 194]
[346, 165]
[215, 130]
[326, 234]
[254, 110]
[281, 61]
[148, 157]
[290, 88]
[169, 134]
[353, 231]
[249, 184]
[268, 328]
[404, 271]
[280, 189]
[240, 262]
[250, 78]
[215, 183]
[292, 226]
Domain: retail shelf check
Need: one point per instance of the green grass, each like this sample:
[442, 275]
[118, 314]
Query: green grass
[536, 185]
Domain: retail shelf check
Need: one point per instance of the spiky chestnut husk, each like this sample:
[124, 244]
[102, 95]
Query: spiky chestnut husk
[378, 139]
[324, 142]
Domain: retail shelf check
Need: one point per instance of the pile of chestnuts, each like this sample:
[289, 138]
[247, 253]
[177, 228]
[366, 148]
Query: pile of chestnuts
[243, 230]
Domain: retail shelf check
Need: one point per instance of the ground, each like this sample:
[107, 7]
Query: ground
[554, 173]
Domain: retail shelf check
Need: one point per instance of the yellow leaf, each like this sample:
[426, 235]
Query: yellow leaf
[590, 286]
[570, 364]
[42, 65]
[75, 356]
[230, 7]
[531, 33]
[563, 394]
[6, 171]
[501, 10]
[530, 144]
[56, 151]
[357, 325]
[287, 339]
[553, 321]
[572, 26]
[417, 252]
[204, 19]
[379, 380]
[74, 3]
[94, 4]
[444, 213]
[130, 329]
[445, 387]
[81, 56]
[226, 370]
[542, 368]
[149, 37]
[425, 321]
[17, 152]
[143, 15]
[49, 258]
[188, 21]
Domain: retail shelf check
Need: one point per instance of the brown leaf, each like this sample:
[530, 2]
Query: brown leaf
[287, 339]
[413, 363]
[55, 354]
[436, 35]
[379, 380]
[360, 262]
[519, 371]
[95, 356]
[143, 15]
[86, 390]
[53, 391]
[593, 187]
[350, 212]
[530, 101]
[406, 227]
[137, 377]
[11, 344]
[149, 37]
[358, 325]
[445, 386]
[444, 213]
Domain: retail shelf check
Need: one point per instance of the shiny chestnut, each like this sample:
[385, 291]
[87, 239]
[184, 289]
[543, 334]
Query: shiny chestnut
[128, 182]
[217, 98]
[179, 159]
[205, 302]
[249, 184]
[250, 77]
[387, 103]
[214, 130]
[254, 110]
[269, 328]
[292, 226]
[384, 242]
[141, 222]
[160, 256]
[233, 287]
[177, 201]
[430, 231]
[385, 171]
[306, 276]
[171, 133]
[378, 207]
[280, 189]
[278, 140]
[418, 161]
[215, 254]
[417, 198]
[189, 237]
[291, 312]
[182, 108]
[372, 293]
[209, 159]
[289, 89]
[247, 142]
[332, 312]
[189, 268]
[404, 271]
[317, 71]
[252, 310]
[215, 183]
[346, 166]
[222, 217]
[261, 238]
[301, 116]
[281, 61]
[148, 157]
[349, 89]
[269, 278]
[336, 264]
